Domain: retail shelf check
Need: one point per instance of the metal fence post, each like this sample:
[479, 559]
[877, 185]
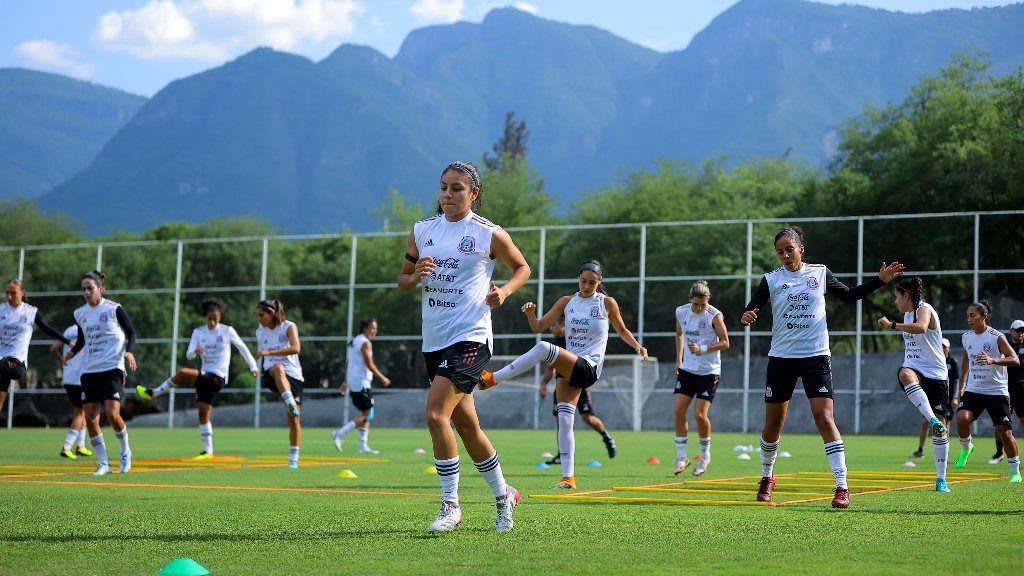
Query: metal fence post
[174, 333]
[99, 257]
[746, 329]
[637, 408]
[10, 406]
[259, 375]
[977, 287]
[859, 325]
[352, 263]
[21, 263]
[538, 401]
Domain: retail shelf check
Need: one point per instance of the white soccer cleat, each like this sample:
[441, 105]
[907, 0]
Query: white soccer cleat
[102, 470]
[367, 450]
[447, 519]
[702, 466]
[506, 505]
[338, 439]
[681, 466]
[126, 462]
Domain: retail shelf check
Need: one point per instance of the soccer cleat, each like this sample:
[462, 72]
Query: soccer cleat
[83, 451]
[918, 454]
[842, 498]
[764, 489]
[961, 461]
[448, 518]
[505, 506]
[126, 462]
[204, 456]
[143, 392]
[293, 409]
[68, 454]
[941, 486]
[609, 443]
[568, 483]
[996, 459]
[367, 450]
[338, 439]
[486, 380]
[1015, 478]
[702, 466]
[293, 464]
[102, 469]
[681, 466]
[557, 459]
[937, 427]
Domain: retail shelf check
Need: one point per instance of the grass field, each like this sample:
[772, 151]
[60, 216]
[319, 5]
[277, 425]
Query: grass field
[255, 516]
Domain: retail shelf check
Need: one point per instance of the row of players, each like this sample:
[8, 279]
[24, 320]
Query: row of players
[451, 257]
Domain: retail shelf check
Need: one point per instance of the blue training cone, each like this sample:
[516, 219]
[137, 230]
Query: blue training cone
[183, 567]
[542, 466]
[594, 463]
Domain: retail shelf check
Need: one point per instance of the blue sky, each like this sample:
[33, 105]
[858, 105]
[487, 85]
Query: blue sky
[142, 45]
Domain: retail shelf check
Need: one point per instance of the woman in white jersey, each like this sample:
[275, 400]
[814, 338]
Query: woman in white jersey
[279, 347]
[800, 350]
[588, 314]
[986, 356]
[106, 334]
[924, 376]
[212, 343]
[359, 372]
[72, 382]
[451, 255]
[17, 318]
[700, 338]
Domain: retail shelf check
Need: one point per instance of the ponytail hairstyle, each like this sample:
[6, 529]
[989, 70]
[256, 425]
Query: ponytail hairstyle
[700, 289]
[96, 276]
[363, 325]
[211, 305]
[914, 287]
[794, 232]
[469, 170]
[595, 267]
[273, 307]
[21, 285]
[983, 308]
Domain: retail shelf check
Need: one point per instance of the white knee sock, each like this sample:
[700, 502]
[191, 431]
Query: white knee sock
[364, 435]
[69, 439]
[966, 442]
[348, 427]
[287, 398]
[99, 447]
[680, 448]
[769, 450]
[163, 388]
[82, 435]
[122, 439]
[491, 470]
[940, 446]
[566, 438]
[448, 474]
[206, 435]
[836, 452]
[919, 399]
[542, 351]
[293, 454]
[1014, 464]
[705, 448]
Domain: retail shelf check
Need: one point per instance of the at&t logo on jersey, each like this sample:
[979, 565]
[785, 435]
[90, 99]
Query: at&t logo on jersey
[812, 283]
[467, 245]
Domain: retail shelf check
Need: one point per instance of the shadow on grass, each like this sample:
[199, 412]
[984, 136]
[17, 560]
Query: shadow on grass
[72, 539]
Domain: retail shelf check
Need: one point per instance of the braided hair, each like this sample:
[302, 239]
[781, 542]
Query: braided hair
[794, 232]
[273, 306]
[914, 287]
[983, 308]
[469, 170]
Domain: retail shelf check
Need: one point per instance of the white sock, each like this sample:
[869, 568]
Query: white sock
[1014, 464]
[287, 398]
[293, 454]
[919, 399]
[542, 351]
[99, 447]
[769, 450]
[966, 442]
[82, 435]
[206, 434]
[836, 452]
[705, 448]
[448, 474]
[491, 470]
[163, 388]
[566, 438]
[364, 434]
[940, 446]
[680, 448]
[348, 427]
[122, 439]
[69, 438]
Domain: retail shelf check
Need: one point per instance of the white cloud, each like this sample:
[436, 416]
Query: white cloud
[438, 10]
[214, 30]
[525, 7]
[49, 54]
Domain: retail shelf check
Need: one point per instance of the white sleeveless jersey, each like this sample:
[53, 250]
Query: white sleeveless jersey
[455, 295]
[73, 371]
[104, 338]
[277, 339]
[586, 328]
[923, 352]
[982, 379]
[698, 328]
[16, 326]
[216, 345]
[357, 374]
[799, 329]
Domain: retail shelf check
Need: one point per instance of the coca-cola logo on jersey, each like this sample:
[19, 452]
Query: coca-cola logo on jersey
[449, 263]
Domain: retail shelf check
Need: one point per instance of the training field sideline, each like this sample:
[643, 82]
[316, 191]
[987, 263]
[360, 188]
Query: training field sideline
[247, 513]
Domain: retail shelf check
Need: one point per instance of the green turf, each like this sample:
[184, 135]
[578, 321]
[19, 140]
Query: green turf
[69, 529]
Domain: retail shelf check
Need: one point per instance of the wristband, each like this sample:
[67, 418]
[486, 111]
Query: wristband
[410, 258]
[892, 325]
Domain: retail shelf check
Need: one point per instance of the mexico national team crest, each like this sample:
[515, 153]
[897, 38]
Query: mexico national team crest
[702, 324]
[987, 347]
[813, 283]
[595, 312]
[467, 245]
[104, 317]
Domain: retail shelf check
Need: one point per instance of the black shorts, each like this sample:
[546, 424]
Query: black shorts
[74, 394]
[103, 386]
[462, 363]
[1017, 400]
[10, 369]
[584, 374]
[583, 406]
[362, 400]
[998, 407]
[699, 386]
[207, 386]
[780, 381]
[296, 384]
[937, 392]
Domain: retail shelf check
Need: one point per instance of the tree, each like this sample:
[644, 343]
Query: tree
[511, 147]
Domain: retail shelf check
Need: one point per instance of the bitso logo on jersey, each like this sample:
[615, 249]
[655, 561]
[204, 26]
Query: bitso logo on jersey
[467, 245]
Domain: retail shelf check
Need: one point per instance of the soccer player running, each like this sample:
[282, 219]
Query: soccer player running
[279, 347]
[106, 334]
[700, 338]
[452, 256]
[359, 373]
[987, 355]
[588, 314]
[71, 379]
[800, 349]
[17, 318]
[212, 343]
[585, 406]
[924, 376]
[1015, 383]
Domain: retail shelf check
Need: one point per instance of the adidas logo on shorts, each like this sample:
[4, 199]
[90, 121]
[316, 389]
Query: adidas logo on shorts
[443, 364]
[430, 242]
[704, 394]
[117, 395]
[768, 392]
[824, 390]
